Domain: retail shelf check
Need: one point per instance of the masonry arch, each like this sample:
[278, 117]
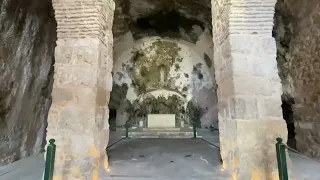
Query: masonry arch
[243, 56]
[246, 73]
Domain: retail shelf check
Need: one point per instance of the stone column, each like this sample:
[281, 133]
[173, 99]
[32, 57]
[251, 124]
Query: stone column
[249, 88]
[78, 117]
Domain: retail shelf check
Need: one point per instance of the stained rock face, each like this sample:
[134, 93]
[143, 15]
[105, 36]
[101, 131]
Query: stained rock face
[297, 33]
[182, 19]
[27, 41]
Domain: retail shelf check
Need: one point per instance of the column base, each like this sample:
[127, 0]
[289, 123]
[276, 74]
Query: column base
[81, 156]
[248, 148]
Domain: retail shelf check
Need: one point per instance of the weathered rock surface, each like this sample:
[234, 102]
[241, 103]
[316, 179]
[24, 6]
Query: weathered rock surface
[27, 41]
[170, 18]
[298, 42]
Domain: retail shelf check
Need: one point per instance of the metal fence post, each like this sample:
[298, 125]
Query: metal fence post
[281, 158]
[126, 125]
[194, 130]
[127, 132]
[50, 157]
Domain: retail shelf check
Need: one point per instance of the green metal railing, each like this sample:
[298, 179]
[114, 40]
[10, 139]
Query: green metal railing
[127, 126]
[127, 132]
[194, 130]
[281, 158]
[51, 151]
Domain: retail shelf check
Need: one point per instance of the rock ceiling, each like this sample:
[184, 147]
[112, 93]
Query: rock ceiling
[161, 15]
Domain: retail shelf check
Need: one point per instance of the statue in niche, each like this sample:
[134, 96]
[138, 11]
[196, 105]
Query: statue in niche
[163, 74]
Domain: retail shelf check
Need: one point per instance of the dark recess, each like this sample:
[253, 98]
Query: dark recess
[165, 24]
[207, 60]
[288, 117]
[112, 119]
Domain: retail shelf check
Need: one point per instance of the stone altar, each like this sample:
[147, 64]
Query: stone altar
[161, 120]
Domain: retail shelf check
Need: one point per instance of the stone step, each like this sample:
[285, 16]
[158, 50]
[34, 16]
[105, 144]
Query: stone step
[163, 134]
[161, 129]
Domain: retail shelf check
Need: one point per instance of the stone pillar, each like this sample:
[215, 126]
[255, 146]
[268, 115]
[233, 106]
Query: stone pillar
[78, 117]
[249, 88]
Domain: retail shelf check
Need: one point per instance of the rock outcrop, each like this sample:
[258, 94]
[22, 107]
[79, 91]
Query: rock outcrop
[297, 32]
[27, 42]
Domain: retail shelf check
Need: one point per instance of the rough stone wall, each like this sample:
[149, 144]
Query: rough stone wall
[284, 24]
[27, 41]
[130, 12]
[302, 64]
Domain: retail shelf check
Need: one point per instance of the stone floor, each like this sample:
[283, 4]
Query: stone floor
[164, 159]
[144, 159]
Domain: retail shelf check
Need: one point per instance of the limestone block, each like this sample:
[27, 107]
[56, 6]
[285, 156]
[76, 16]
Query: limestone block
[265, 66]
[85, 97]
[75, 118]
[226, 88]
[73, 75]
[270, 107]
[63, 54]
[244, 108]
[238, 108]
[161, 120]
[228, 141]
[257, 140]
[252, 85]
[60, 96]
[256, 57]
[223, 109]
[81, 155]
[84, 75]
[84, 56]
[240, 63]
[253, 154]
[103, 96]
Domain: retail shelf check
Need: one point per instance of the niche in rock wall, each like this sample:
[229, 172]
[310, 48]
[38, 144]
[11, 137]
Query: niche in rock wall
[151, 66]
[163, 74]
[157, 72]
